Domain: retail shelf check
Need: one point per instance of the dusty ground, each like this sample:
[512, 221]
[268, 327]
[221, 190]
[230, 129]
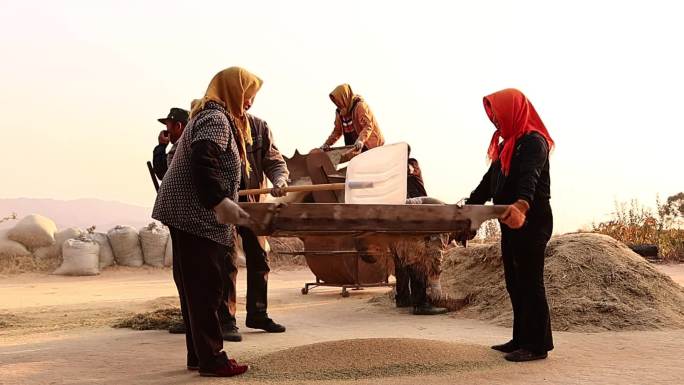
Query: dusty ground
[54, 330]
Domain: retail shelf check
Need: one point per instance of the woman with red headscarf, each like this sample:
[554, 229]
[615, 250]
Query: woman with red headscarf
[519, 177]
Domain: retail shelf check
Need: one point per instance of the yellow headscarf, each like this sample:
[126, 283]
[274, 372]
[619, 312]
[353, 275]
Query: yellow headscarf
[343, 97]
[231, 88]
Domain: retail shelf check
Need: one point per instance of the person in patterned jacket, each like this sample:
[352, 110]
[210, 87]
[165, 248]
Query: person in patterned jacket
[197, 201]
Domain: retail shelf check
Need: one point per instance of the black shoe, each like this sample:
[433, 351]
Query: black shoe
[192, 363]
[523, 355]
[402, 303]
[428, 309]
[177, 328]
[508, 347]
[230, 333]
[265, 324]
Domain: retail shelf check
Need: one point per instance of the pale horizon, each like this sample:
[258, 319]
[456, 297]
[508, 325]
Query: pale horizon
[84, 82]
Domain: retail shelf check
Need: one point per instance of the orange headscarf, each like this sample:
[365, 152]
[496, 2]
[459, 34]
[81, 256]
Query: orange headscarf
[230, 88]
[513, 116]
[343, 97]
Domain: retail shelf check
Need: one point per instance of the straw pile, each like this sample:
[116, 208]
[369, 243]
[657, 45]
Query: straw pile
[593, 283]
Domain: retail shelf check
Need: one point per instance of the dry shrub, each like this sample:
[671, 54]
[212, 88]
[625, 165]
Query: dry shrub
[10, 217]
[593, 283]
[634, 224]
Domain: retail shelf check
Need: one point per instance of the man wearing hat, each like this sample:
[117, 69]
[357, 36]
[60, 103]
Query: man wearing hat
[175, 123]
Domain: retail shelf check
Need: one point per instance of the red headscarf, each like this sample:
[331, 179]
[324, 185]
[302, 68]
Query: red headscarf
[513, 116]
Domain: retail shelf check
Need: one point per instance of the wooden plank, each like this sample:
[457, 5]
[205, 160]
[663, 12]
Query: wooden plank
[297, 219]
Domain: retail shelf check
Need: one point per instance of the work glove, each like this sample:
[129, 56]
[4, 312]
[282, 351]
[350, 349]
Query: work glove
[358, 145]
[229, 212]
[514, 216]
[278, 189]
[324, 147]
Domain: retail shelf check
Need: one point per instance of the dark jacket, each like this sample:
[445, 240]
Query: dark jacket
[159, 160]
[264, 158]
[415, 186]
[528, 179]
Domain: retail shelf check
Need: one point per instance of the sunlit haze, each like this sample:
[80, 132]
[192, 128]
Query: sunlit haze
[83, 82]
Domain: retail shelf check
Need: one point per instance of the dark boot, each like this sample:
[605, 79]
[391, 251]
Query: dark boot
[523, 355]
[508, 347]
[402, 298]
[264, 323]
[230, 333]
[428, 309]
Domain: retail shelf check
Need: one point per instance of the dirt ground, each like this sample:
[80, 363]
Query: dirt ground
[55, 330]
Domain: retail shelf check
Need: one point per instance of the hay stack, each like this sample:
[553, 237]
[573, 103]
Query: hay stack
[593, 283]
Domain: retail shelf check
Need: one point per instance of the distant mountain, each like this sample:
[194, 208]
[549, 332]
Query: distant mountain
[81, 213]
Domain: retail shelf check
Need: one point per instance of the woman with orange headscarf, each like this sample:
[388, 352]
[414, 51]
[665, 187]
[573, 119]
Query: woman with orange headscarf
[197, 201]
[519, 177]
[354, 120]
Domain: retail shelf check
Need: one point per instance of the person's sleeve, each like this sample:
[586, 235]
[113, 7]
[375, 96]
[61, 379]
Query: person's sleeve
[534, 153]
[275, 167]
[337, 131]
[205, 172]
[482, 192]
[210, 138]
[213, 127]
[363, 117]
[159, 160]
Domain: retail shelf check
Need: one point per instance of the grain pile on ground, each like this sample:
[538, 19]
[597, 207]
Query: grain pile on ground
[371, 358]
[593, 283]
[160, 319]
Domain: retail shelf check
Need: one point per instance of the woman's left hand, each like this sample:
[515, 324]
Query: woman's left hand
[515, 214]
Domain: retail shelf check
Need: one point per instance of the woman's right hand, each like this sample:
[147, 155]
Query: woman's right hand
[229, 212]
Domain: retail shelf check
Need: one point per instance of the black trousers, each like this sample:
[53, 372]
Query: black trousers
[523, 258]
[257, 280]
[411, 285]
[199, 271]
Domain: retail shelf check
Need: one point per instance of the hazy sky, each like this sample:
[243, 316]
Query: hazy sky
[83, 82]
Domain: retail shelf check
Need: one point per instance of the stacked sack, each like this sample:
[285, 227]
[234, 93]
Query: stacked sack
[54, 251]
[106, 256]
[126, 246]
[34, 231]
[154, 239]
[80, 256]
[10, 248]
[74, 250]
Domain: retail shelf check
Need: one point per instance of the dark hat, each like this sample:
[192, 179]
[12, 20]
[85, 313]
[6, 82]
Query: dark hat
[176, 115]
